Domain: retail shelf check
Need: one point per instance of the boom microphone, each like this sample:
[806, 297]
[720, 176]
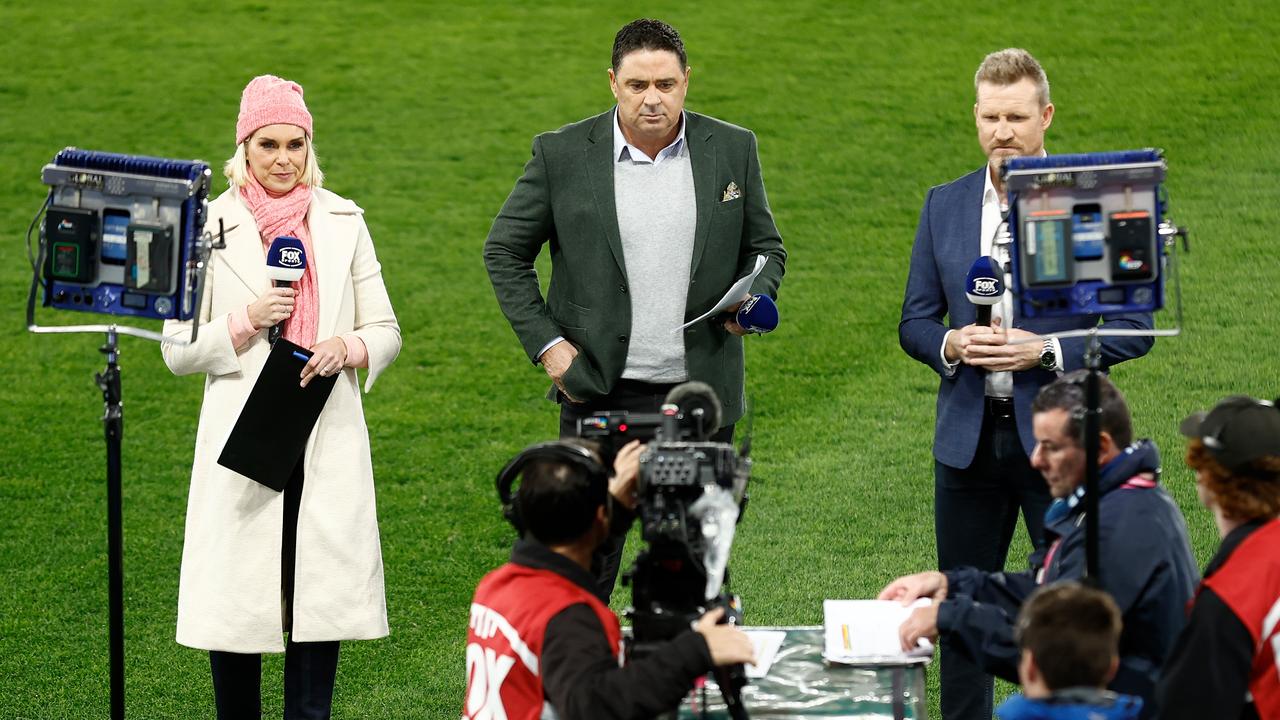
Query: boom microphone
[984, 287]
[758, 314]
[286, 262]
[698, 405]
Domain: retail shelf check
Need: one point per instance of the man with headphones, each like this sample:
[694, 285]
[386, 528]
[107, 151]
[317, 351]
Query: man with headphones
[1145, 558]
[540, 637]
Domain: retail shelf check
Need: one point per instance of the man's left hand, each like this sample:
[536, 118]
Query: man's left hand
[994, 351]
[922, 623]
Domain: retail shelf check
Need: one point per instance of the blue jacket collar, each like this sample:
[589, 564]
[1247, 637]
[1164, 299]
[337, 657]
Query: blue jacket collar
[1139, 458]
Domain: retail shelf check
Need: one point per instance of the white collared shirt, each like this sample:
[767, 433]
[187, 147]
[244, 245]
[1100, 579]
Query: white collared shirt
[624, 151]
[998, 384]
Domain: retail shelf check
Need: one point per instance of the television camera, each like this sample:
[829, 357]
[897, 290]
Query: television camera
[690, 496]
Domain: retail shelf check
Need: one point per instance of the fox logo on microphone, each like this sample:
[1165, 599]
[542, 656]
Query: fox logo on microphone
[985, 286]
[291, 257]
[286, 260]
[985, 283]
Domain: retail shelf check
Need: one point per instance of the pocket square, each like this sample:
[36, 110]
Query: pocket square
[731, 192]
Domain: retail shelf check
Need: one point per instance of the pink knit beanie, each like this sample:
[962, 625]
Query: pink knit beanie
[268, 100]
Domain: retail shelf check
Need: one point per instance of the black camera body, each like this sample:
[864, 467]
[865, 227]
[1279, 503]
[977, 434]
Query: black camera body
[669, 580]
[690, 495]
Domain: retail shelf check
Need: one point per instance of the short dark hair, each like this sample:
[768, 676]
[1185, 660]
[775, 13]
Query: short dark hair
[557, 500]
[1067, 393]
[647, 34]
[1073, 632]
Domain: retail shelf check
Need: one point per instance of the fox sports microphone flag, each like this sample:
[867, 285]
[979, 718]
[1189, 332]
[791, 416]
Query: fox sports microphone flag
[984, 287]
[286, 260]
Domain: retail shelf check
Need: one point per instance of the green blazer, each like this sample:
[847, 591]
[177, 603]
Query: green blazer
[565, 198]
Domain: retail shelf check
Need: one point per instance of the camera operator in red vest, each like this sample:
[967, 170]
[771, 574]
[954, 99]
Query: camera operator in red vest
[1226, 663]
[540, 635]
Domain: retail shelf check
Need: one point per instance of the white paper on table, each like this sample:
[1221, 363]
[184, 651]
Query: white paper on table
[866, 631]
[734, 294]
[766, 644]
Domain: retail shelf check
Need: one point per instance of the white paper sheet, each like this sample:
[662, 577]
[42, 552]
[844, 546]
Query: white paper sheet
[734, 294]
[866, 632]
[766, 643]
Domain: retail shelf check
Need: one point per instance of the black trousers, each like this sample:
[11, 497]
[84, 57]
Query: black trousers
[975, 514]
[309, 668]
[630, 396]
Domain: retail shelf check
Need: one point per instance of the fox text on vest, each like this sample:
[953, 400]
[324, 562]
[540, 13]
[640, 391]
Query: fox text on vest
[485, 672]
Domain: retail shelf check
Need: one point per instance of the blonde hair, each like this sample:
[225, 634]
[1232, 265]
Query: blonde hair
[236, 169]
[1008, 66]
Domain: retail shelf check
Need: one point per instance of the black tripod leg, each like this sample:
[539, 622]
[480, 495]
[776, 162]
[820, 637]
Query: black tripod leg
[731, 687]
[113, 426]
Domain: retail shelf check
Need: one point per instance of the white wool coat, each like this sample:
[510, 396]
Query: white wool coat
[229, 593]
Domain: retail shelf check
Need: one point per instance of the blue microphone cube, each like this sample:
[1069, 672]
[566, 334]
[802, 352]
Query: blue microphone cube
[758, 314]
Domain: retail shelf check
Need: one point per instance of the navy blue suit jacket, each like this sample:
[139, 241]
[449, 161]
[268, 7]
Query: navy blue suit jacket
[946, 245]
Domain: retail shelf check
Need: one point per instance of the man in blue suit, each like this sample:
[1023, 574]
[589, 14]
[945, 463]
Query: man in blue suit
[983, 437]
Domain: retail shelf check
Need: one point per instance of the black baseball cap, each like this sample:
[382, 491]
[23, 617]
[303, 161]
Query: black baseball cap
[1237, 431]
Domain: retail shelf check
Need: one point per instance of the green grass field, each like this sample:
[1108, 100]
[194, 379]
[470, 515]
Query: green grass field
[424, 115]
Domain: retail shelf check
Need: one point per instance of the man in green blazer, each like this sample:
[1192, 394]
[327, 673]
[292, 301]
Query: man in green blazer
[652, 213]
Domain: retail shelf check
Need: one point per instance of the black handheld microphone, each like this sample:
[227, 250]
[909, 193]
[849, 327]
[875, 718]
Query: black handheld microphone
[984, 285]
[286, 262]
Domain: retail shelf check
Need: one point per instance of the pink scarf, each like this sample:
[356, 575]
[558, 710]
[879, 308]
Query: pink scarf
[287, 215]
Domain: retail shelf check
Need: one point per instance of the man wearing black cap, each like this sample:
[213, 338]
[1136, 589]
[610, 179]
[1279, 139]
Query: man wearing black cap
[1225, 662]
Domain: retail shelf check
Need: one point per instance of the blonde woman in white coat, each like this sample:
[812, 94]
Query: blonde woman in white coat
[306, 562]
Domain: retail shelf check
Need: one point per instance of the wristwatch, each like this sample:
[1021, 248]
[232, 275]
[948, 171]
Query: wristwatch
[1048, 358]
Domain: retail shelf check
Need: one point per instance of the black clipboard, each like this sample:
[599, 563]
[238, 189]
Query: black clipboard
[272, 431]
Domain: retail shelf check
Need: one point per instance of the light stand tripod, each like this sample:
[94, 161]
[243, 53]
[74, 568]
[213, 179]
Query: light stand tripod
[1092, 439]
[113, 427]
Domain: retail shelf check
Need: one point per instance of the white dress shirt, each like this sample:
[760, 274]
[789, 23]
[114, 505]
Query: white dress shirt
[999, 384]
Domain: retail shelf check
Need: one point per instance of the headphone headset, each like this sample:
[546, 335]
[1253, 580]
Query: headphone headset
[561, 452]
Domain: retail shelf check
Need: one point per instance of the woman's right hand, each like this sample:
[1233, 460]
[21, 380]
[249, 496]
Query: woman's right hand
[272, 307]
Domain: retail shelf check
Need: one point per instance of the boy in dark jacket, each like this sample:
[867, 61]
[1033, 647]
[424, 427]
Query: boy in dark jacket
[1068, 636]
